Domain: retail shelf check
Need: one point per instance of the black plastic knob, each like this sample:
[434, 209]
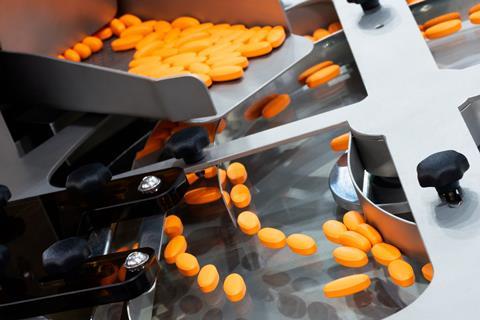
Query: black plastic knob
[367, 5]
[188, 144]
[89, 178]
[65, 255]
[443, 170]
[5, 195]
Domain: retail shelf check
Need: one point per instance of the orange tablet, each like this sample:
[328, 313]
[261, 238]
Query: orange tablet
[276, 106]
[307, 73]
[401, 273]
[443, 29]
[350, 257]
[208, 278]
[385, 253]
[333, 229]
[370, 233]
[427, 270]
[346, 286]
[202, 195]
[173, 226]
[442, 18]
[302, 244]
[234, 287]
[187, 264]
[323, 76]
[175, 246]
[272, 238]
[356, 240]
[248, 223]
[240, 195]
[341, 142]
[352, 219]
[237, 173]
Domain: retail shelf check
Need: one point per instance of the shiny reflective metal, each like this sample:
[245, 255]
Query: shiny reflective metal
[149, 184]
[341, 186]
[136, 260]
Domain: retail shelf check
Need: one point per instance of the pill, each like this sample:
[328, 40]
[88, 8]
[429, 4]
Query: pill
[401, 273]
[320, 33]
[226, 73]
[202, 195]
[210, 172]
[137, 62]
[276, 36]
[248, 223]
[94, 43]
[255, 49]
[83, 50]
[475, 17]
[192, 178]
[195, 46]
[444, 17]
[475, 8]
[175, 246]
[162, 26]
[199, 67]
[427, 270]
[276, 106]
[173, 71]
[261, 35]
[126, 43]
[370, 233]
[352, 219]
[350, 257]
[187, 264]
[385, 253]
[212, 49]
[220, 56]
[356, 240]
[198, 28]
[254, 111]
[443, 29]
[324, 75]
[226, 198]
[237, 173]
[140, 29]
[302, 244]
[192, 37]
[150, 69]
[341, 142]
[307, 73]
[148, 49]
[234, 287]
[130, 20]
[246, 36]
[334, 27]
[240, 196]
[333, 229]
[205, 78]
[165, 52]
[152, 37]
[222, 176]
[72, 55]
[173, 226]
[104, 34]
[117, 27]
[184, 22]
[60, 56]
[179, 58]
[272, 238]
[208, 278]
[231, 61]
[346, 286]
[172, 35]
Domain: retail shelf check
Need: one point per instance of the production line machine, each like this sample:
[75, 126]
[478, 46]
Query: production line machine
[126, 195]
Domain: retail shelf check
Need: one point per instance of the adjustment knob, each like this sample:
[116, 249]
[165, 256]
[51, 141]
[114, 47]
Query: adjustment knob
[89, 178]
[5, 195]
[65, 255]
[443, 170]
[188, 144]
[367, 5]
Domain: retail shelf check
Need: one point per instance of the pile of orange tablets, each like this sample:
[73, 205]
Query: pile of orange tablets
[319, 74]
[357, 239]
[82, 50]
[321, 33]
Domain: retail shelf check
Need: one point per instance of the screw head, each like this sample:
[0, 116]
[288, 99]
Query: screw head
[149, 184]
[136, 260]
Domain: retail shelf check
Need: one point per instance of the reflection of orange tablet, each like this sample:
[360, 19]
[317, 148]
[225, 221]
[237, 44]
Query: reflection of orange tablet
[202, 195]
[276, 106]
[442, 18]
[323, 76]
[254, 111]
[307, 73]
[443, 29]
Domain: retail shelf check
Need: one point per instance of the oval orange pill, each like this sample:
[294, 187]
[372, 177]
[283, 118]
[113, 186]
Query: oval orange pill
[334, 27]
[237, 173]
[356, 240]
[187, 264]
[137, 62]
[240, 196]
[276, 106]
[475, 8]
[175, 247]
[333, 229]
[234, 287]
[152, 37]
[226, 73]
[140, 29]
[148, 49]
[341, 142]
[401, 273]
[231, 61]
[162, 26]
[346, 286]
[173, 226]
[130, 20]
[475, 17]
[72, 55]
[322, 76]
[442, 18]
[117, 27]
[385, 253]
[255, 49]
[370, 233]
[164, 52]
[272, 238]
[185, 22]
[94, 43]
[276, 36]
[126, 43]
[104, 34]
[443, 29]
[248, 223]
[427, 269]
[202, 195]
[307, 73]
[261, 35]
[60, 56]
[83, 50]
[208, 278]
[205, 78]
[199, 67]
[352, 219]
[320, 33]
[254, 111]
[302, 244]
[350, 257]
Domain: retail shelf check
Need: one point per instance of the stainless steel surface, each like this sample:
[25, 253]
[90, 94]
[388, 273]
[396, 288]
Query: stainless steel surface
[50, 26]
[341, 186]
[306, 16]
